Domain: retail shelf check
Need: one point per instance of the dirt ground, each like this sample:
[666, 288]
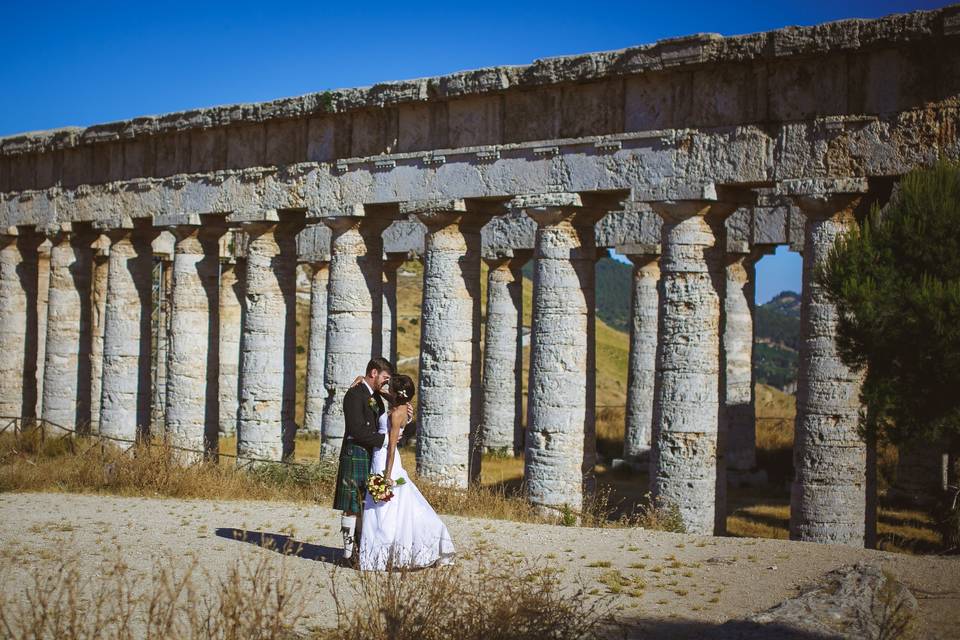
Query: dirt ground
[693, 582]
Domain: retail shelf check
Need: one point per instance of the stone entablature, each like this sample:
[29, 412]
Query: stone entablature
[869, 68]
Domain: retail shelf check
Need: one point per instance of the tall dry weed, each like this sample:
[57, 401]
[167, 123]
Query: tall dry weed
[254, 599]
[499, 599]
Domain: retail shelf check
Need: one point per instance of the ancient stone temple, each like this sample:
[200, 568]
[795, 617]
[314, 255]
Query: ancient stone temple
[693, 156]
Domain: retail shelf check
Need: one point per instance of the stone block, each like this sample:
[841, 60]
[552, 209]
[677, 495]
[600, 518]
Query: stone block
[77, 165]
[800, 89]
[531, 115]
[592, 109]
[423, 126]
[657, 100]
[173, 154]
[729, 94]
[474, 121]
[208, 149]
[245, 146]
[321, 139]
[770, 224]
[286, 142]
[48, 167]
[890, 80]
[373, 132]
[138, 156]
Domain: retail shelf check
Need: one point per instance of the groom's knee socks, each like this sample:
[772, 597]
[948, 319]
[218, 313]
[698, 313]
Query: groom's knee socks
[348, 525]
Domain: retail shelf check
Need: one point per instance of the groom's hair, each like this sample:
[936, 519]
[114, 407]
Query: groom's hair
[380, 364]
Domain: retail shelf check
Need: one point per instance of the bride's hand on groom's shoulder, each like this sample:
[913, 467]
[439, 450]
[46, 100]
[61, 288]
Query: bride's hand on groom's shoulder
[356, 381]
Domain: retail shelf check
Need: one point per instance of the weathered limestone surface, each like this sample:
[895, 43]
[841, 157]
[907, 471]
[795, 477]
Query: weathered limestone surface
[232, 303]
[354, 325]
[18, 304]
[317, 348]
[829, 492]
[66, 389]
[502, 402]
[192, 390]
[737, 412]
[560, 445]
[125, 396]
[643, 356]
[265, 427]
[43, 295]
[449, 410]
[686, 465]
[98, 307]
[391, 263]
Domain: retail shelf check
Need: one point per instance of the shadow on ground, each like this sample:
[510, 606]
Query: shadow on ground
[732, 630]
[282, 544]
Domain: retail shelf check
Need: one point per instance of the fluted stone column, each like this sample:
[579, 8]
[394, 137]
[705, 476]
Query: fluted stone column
[265, 425]
[687, 467]
[560, 448]
[354, 324]
[738, 411]
[391, 263]
[18, 325]
[644, 302]
[163, 303]
[126, 390]
[502, 405]
[922, 472]
[192, 391]
[66, 388]
[317, 353]
[98, 306]
[43, 295]
[232, 302]
[447, 451]
[829, 493]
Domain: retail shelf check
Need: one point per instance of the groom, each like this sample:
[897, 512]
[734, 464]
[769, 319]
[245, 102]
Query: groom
[362, 408]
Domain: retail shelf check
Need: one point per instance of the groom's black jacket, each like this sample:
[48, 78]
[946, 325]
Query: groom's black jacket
[360, 418]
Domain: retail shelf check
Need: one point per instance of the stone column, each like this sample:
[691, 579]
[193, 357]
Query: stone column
[828, 501]
[644, 302]
[98, 303]
[738, 411]
[18, 323]
[447, 451]
[192, 390]
[43, 295]
[502, 406]
[687, 466]
[354, 325]
[66, 387]
[232, 303]
[126, 388]
[317, 353]
[265, 424]
[560, 448]
[391, 263]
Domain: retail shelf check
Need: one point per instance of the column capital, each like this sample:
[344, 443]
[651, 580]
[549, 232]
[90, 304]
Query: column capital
[825, 197]
[547, 209]
[516, 258]
[129, 228]
[341, 223]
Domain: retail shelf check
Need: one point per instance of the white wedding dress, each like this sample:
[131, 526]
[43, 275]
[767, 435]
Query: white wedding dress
[404, 531]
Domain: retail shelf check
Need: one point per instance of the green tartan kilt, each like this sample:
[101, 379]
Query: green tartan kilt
[352, 478]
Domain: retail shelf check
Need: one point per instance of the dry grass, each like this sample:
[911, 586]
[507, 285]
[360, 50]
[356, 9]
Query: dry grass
[501, 598]
[255, 599]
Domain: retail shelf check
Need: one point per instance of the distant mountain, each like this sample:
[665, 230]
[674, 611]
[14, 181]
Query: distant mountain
[777, 340]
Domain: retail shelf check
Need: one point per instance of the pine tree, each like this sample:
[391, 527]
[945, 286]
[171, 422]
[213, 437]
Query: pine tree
[895, 280]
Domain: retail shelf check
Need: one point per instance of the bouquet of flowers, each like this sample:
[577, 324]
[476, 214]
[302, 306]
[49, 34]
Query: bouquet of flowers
[379, 489]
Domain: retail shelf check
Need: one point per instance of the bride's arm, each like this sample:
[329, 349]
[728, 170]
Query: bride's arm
[398, 416]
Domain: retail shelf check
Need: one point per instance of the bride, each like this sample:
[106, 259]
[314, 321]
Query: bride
[405, 531]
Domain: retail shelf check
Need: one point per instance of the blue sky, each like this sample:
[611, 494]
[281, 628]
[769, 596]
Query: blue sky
[76, 63]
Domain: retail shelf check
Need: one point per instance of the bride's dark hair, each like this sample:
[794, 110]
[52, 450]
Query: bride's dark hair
[402, 388]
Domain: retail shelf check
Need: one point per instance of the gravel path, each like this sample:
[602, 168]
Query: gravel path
[693, 582]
